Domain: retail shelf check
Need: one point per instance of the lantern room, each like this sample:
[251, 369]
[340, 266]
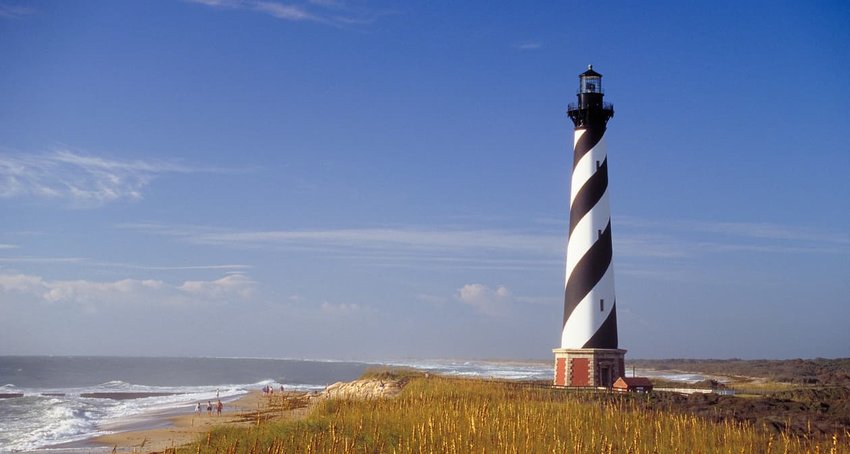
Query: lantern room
[590, 81]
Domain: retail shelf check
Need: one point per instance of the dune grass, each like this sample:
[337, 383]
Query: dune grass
[449, 415]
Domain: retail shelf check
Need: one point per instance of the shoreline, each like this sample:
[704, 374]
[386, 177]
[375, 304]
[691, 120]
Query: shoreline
[173, 428]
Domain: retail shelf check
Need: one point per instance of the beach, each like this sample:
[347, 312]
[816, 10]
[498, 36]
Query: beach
[179, 429]
[251, 409]
[50, 403]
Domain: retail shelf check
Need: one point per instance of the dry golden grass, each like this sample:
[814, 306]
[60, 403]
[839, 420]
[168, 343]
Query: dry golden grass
[445, 415]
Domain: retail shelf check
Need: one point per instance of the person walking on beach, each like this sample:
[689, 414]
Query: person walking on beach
[198, 408]
[209, 408]
[218, 407]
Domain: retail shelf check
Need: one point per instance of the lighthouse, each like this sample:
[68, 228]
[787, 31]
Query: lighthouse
[589, 355]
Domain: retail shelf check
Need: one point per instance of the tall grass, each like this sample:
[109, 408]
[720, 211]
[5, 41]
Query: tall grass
[473, 416]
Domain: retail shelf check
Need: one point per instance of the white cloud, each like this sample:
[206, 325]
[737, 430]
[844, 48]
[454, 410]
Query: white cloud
[327, 12]
[21, 283]
[128, 291]
[82, 291]
[80, 180]
[488, 301]
[236, 284]
[286, 12]
[8, 246]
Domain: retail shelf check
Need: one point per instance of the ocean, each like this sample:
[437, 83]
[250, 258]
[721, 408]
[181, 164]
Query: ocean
[55, 404]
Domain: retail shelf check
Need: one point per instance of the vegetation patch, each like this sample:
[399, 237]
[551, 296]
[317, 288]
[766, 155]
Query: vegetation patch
[452, 415]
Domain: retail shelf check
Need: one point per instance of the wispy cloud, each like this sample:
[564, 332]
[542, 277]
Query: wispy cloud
[383, 238]
[527, 45]
[285, 12]
[8, 246]
[81, 261]
[399, 244]
[512, 250]
[41, 260]
[328, 12]
[342, 309]
[79, 179]
[223, 267]
[14, 11]
[231, 287]
[681, 238]
[766, 231]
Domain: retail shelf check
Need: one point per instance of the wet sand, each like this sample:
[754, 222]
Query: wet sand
[178, 429]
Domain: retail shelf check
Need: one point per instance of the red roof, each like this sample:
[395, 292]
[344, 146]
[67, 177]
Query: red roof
[634, 382]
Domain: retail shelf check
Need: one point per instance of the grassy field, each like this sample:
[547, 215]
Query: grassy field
[449, 415]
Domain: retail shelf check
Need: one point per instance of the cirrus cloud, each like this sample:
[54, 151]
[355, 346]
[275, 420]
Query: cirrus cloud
[79, 179]
[327, 12]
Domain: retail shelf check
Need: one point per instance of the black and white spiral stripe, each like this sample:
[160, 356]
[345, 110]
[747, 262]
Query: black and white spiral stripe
[590, 316]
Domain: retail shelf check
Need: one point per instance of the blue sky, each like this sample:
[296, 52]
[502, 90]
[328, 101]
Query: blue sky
[374, 180]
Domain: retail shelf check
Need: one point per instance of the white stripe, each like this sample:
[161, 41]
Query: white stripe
[586, 232]
[586, 318]
[586, 166]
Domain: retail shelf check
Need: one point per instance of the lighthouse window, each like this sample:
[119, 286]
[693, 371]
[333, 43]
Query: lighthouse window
[601, 305]
[591, 84]
[599, 233]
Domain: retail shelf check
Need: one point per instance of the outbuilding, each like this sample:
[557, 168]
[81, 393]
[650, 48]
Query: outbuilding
[633, 385]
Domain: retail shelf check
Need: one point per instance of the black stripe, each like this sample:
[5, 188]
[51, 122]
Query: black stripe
[588, 271]
[588, 196]
[587, 141]
[606, 335]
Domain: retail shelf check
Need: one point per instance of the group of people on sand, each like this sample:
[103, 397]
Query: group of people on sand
[268, 390]
[218, 407]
